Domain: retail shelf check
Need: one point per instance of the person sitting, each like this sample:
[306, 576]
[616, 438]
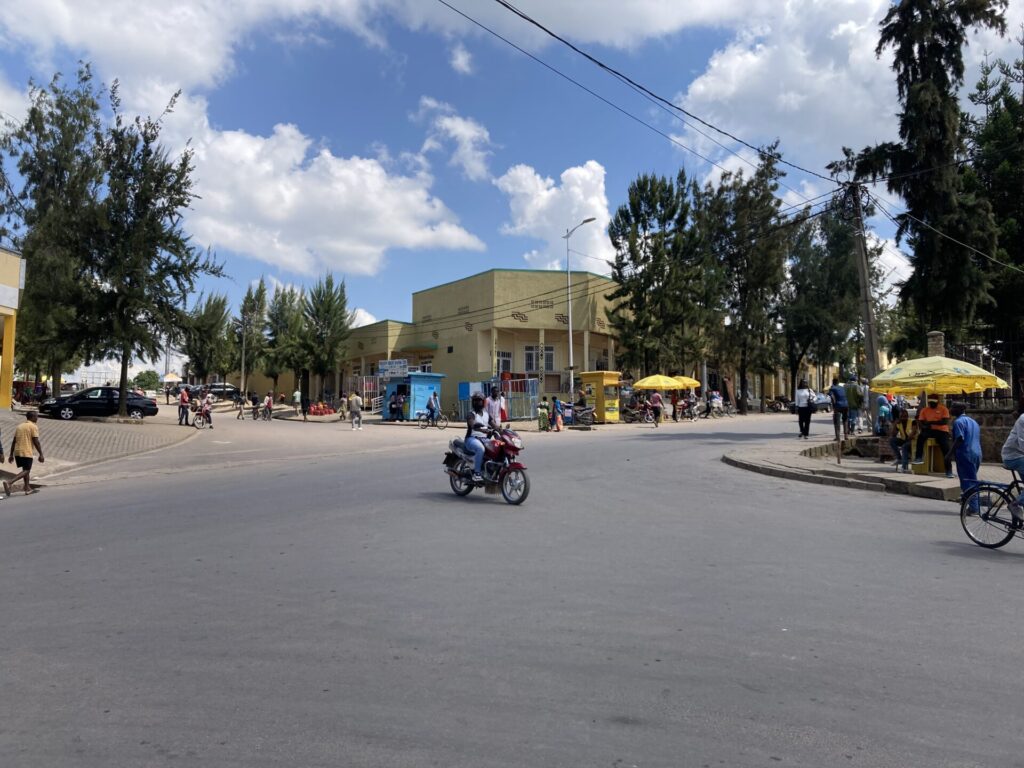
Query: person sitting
[479, 425]
[1013, 460]
[933, 422]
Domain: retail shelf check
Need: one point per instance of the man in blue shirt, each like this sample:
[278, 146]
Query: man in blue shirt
[840, 408]
[966, 448]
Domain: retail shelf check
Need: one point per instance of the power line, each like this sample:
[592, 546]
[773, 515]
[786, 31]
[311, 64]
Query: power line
[580, 85]
[940, 233]
[484, 314]
[641, 88]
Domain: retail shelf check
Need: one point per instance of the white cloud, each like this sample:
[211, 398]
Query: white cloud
[280, 200]
[461, 60]
[471, 140]
[544, 210]
[361, 317]
[13, 103]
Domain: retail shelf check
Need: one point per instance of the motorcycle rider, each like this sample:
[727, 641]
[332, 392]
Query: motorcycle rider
[478, 426]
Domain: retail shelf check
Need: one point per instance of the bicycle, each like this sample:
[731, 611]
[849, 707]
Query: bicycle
[985, 514]
[423, 419]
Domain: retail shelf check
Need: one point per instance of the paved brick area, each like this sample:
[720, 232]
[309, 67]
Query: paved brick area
[70, 443]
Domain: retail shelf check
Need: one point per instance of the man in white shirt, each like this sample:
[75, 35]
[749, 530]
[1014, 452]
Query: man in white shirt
[493, 405]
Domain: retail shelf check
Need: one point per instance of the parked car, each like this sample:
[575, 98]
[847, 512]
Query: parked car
[223, 391]
[821, 400]
[96, 401]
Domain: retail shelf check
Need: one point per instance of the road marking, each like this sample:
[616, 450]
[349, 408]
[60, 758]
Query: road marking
[221, 442]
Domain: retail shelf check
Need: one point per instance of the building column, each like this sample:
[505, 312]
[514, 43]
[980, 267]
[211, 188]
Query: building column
[7, 362]
[586, 351]
[611, 354]
[494, 351]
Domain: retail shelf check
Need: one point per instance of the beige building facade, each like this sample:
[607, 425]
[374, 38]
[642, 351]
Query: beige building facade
[503, 321]
[12, 283]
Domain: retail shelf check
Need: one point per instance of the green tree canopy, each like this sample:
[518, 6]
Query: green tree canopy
[326, 326]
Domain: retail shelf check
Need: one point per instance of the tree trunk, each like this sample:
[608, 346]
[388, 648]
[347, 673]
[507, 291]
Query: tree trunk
[741, 402]
[763, 393]
[55, 372]
[122, 406]
[793, 371]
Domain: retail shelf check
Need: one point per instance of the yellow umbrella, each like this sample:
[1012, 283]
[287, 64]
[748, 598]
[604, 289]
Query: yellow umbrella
[939, 375]
[168, 378]
[686, 382]
[656, 381]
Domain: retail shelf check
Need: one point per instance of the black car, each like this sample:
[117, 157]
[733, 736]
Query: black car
[97, 401]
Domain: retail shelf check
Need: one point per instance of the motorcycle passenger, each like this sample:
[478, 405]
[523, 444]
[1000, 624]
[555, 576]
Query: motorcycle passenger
[478, 426]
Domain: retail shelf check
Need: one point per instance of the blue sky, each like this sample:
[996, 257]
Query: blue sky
[397, 146]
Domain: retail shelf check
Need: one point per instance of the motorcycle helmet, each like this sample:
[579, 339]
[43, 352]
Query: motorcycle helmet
[477, 400]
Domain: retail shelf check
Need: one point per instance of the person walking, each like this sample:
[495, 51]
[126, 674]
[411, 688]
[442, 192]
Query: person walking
[26, 439]
[966, 449]
[544, 415]
[183, 408]
[355, 410]
[304, 405]
[493, 405]
[855, 401]
[207, 405]
[400, 402]
[657, 404]
[556, 413]
[297, 400]
[393, 406]
[840, 408]
[804, 400]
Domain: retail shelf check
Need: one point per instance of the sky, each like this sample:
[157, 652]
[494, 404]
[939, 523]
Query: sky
[397, 145]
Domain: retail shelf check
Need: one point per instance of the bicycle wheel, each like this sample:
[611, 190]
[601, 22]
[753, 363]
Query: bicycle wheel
[985, 517]
[442, 421]
[423, 421]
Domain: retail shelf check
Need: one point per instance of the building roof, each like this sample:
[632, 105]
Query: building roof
[536, 271]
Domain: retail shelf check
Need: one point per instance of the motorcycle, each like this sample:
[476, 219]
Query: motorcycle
[779, 404]
[501, 467]
[642, 413]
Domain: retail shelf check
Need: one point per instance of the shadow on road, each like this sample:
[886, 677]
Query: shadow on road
[971, 551]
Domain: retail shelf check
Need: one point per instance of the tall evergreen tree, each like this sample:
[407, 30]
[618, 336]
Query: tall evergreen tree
[326, 326]
[751, 253]
[144, 264]
[284, 334]
[251, 324]
[206, 330]
[949, 281]
[49, 204]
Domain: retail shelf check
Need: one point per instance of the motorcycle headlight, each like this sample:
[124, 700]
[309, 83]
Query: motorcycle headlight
[517, 443]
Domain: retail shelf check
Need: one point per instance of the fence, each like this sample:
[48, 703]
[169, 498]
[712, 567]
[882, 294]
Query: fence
[520, 398]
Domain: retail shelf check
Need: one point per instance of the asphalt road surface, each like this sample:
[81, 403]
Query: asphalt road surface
[302, 595]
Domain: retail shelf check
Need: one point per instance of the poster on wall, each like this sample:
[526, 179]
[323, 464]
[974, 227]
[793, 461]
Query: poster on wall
[393, 369]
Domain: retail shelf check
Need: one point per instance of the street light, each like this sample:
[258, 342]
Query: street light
[568, 292]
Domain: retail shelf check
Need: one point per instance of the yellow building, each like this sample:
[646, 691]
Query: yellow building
[12, 283]
[513, 321]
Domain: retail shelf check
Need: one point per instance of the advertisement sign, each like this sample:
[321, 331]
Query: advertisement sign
[393, 369]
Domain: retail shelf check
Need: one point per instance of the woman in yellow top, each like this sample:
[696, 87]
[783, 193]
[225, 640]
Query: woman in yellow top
[901, 438]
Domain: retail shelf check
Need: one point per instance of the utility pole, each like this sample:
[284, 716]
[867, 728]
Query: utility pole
[867, 306]
[864, 273]
[242, 382]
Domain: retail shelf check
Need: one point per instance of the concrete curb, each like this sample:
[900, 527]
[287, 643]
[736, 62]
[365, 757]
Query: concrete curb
[806, 477]
[937, 488]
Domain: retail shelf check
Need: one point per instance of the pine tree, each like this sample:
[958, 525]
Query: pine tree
[949, 283]
[326, 326]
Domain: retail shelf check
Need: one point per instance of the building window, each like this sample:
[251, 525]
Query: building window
[504, 362]
[427, 366]
[451, 349]
[532, 362]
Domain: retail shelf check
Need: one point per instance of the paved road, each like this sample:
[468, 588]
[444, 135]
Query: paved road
[325, 601]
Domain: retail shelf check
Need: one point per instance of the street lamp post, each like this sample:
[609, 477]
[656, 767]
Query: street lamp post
[568, 292]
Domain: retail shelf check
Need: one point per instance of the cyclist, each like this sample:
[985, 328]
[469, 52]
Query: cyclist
[478, 426]
[1013, 459]
[433, 408]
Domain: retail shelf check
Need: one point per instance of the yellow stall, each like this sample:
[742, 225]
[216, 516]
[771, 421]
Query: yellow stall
[602, 391]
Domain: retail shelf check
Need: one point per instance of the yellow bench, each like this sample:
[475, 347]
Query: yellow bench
[934, 461]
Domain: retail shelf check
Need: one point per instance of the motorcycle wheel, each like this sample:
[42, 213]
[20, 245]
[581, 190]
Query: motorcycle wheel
[648, 418]
[515, 486]
[460, 485]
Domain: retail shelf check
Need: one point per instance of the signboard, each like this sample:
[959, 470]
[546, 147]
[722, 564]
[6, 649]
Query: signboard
[392, 369]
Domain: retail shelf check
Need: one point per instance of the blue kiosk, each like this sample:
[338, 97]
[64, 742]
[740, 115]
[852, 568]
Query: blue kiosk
[417, 389]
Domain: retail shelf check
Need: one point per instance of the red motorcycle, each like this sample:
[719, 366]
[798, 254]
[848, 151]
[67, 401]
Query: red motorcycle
[501, 467]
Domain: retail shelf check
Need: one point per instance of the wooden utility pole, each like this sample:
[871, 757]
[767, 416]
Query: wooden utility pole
[867, 304]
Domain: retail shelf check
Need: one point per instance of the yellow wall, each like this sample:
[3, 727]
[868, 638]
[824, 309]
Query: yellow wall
[11, 276]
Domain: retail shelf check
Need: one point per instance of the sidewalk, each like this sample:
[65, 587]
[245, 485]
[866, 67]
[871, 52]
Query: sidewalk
[814, 461]
[73, 444]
